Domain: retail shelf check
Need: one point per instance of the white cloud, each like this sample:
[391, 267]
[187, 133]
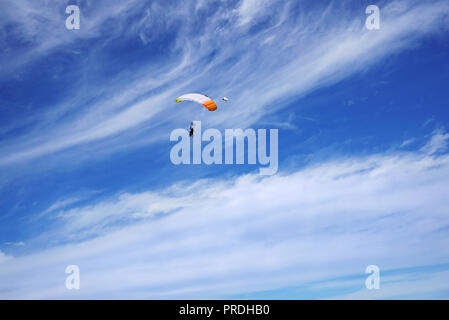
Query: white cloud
[130, 207]
[249, 9]
[250, 234]
[4, 257]
[437, 143]
[61, 204]
[41, 25]
[17, 244]
[407, 142]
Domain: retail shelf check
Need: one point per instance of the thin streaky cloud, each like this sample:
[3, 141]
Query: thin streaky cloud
[313, 60]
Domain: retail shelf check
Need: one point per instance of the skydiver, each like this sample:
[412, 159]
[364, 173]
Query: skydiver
[191, 130]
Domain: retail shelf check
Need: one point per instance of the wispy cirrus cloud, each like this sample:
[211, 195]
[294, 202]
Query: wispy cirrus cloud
[17, 244]
[438, 142]
[35, 29]
[302, 51]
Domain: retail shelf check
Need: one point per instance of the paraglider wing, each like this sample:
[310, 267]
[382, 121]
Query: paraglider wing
[199, 98]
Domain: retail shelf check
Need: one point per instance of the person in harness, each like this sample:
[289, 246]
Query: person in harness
[191, 129]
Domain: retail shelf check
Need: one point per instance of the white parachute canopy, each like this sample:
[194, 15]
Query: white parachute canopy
[199, 98]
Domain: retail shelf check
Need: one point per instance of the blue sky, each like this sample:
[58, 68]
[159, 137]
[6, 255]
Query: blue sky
[85, 171]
